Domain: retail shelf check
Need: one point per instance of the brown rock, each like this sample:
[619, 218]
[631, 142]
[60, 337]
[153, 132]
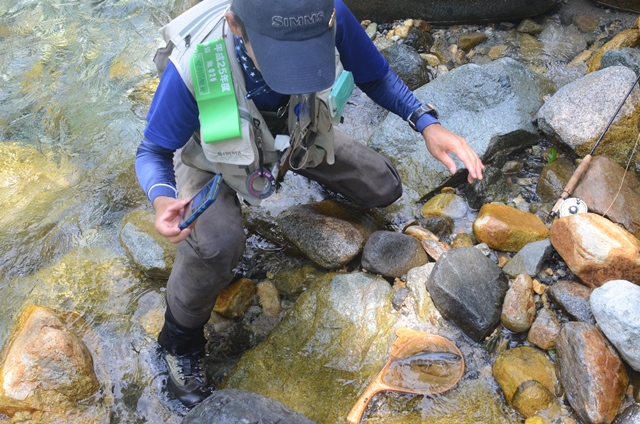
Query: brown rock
[538, 287]
[587, 22]
[626, 38]
[532, 398]
[515, 366]
[469, 41]
[600, 189]
[544, 330]
[269, 298]
[506, 228]
[462, 240]
[596, 249]
[235, 299]
[46, 368]
[420, 233]
[435, 249]
[593, 376]
[519, 306]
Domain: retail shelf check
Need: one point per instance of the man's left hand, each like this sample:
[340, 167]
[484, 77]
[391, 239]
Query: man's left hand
[441, 142]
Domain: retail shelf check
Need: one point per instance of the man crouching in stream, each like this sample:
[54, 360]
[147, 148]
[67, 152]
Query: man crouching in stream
[283, 57]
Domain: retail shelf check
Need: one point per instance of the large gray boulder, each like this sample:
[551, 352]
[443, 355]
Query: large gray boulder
[448, 11]
[491, 106]
[579, 112]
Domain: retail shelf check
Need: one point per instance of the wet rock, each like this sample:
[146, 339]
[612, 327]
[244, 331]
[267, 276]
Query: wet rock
[529, 26]
[463, 240]
[519, 306]
[46, 366]
[493, 187]
[592, 374]
[269, 298]
[440, 225]
[577, 114]
[447, 204]
[468, 290]
[553, 179]
[544, 330]
[339, 330]
[615, 308]
[596, 249]
[531, 49]
[420, 233]
[626, 38]
[417, 284]
[586, 22]
[152, 252]
[292, 282]
[631, 415]
[330, 233]
[234, 300]
[470, 93]
[419, 40]
[408, 64]
[516, 366]
[392, 254]
[442, 50]
[471, 40]
[507, 229]
[232, 406]
[530, 259]
[435, 249]
[573, 299]
[511, 167]
[606, 188]
[622, 57]
[532, 397]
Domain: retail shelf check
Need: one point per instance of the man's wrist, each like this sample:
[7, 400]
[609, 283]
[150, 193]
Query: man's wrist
[425, 121]
[422, 117]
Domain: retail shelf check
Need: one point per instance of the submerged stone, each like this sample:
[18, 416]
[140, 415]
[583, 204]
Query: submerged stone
[328, 348]
[46, 367]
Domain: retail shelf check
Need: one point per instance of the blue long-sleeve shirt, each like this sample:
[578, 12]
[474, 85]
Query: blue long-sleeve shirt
[173, 116]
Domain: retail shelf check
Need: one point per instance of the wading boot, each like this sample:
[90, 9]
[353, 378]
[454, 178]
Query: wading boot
[183, 353]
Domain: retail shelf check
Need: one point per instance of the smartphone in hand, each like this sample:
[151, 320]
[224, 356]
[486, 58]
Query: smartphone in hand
[200, 202]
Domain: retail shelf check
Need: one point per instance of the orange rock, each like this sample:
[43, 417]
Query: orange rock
[596, 249]
[236, 298]
[506, 228]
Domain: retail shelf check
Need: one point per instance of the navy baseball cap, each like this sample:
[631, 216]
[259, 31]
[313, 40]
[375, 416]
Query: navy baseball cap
[293, 42]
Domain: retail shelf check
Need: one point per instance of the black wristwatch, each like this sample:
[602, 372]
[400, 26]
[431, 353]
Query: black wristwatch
[424, 109]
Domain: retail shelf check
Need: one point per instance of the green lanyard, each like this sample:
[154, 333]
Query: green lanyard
[215, 94]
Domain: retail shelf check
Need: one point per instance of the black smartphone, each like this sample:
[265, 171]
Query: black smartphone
[200, 202]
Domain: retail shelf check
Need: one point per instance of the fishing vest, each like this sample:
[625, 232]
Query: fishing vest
[238, 159]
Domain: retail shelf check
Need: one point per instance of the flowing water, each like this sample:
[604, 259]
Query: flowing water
[76, 79]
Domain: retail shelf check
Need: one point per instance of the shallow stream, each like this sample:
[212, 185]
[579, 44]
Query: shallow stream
[76, 79]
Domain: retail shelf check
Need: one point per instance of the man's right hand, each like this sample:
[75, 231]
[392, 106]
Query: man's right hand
[168, 213]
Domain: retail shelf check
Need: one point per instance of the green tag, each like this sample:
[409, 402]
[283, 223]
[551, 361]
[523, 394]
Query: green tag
[215, 95]
[342, 89]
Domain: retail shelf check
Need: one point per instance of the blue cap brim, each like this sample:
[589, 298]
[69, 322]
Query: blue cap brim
[296, 67]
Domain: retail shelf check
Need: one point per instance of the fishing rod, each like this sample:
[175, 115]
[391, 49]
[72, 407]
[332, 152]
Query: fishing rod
[577, 174]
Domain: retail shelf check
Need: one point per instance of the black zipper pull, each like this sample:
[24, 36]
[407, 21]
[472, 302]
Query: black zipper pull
[187, 40]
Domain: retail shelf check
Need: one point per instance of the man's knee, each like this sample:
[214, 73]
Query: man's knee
[387, 189]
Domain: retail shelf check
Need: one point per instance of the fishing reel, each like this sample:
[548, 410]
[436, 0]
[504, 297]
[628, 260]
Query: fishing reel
[572, 206]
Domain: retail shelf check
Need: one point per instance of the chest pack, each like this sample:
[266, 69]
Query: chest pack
[251, 163]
